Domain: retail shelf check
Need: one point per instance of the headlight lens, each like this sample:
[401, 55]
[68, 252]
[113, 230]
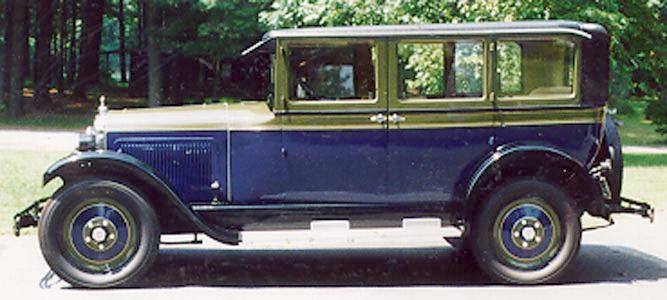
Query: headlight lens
[88, 140]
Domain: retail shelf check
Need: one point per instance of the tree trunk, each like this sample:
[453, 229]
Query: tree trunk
[141, 25]
[17, 55]
[42, 66]
[154, 65]
[71, 64]
[121, 29]
[4, 51]
[26, 47]
[62, 40]
[2, 71]
[217, 70]
[91, 39]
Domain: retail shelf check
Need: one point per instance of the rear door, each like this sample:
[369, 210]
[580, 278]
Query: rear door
[440, 116]
[334, 129]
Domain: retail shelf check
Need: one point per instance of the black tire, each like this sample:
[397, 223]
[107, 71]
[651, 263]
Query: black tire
[99, 233]
[527, 232]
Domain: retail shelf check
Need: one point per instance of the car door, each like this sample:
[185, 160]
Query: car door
[441, 118]
[333, 119]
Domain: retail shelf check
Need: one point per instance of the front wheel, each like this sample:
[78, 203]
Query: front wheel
[527, 232]
[98, 233]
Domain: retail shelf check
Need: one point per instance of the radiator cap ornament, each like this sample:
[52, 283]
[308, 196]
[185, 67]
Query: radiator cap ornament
[102, 109]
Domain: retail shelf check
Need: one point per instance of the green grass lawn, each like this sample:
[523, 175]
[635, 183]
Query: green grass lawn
[636, 130]
[645, 160]
[66, 122]
[647, 184]
[21, 181]
[21, 177]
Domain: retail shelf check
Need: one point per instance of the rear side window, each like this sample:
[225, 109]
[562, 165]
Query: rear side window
[332, 72]
[435, 70]
[535, 68]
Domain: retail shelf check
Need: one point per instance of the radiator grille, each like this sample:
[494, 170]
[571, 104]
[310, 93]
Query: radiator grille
[186, 164]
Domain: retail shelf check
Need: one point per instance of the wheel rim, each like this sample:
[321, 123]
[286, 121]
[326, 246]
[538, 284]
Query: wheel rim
[100, 237]
[527, 234]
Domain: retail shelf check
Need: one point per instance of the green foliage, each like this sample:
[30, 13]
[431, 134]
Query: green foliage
[215, 29]
[422, 70]
[657, 111]
[636, 129]
[509, 64]
[469, 64]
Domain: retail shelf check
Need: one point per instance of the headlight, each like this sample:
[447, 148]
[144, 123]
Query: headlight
[87, 140]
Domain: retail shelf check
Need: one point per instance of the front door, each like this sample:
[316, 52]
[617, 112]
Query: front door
[334, 127]
[440, 116]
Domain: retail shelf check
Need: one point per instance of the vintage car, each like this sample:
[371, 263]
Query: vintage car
[499, 129]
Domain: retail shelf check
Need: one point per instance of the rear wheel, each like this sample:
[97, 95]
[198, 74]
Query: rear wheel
[527, 232]
[99, 233]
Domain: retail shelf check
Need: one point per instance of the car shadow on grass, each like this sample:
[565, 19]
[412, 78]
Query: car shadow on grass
[375, 267]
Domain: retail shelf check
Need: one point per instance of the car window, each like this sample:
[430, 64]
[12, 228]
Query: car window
[535, 68]
[332, 72]
[452, 69]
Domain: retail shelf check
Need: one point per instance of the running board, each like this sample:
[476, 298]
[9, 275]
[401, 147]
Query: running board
[414, 232]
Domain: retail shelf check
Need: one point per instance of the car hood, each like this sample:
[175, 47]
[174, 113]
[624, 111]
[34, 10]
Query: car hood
[250, 114]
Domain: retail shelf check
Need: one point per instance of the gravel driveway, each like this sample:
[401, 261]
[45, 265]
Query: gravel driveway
[625, 261]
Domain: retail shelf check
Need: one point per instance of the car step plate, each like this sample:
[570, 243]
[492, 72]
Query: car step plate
[417, 232]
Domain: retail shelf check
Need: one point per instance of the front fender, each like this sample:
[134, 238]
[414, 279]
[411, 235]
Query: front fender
[119, 165]
[80, 163]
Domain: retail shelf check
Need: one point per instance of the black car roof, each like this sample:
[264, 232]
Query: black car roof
[425, 30]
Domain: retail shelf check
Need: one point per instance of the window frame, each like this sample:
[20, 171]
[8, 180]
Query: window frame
[286, 103]
[437, 104]
[570, 99]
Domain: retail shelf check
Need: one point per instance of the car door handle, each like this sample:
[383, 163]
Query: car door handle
[379, 118]
[395, 118]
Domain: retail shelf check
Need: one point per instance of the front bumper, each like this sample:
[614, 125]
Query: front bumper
[29, 217]
[628, 206]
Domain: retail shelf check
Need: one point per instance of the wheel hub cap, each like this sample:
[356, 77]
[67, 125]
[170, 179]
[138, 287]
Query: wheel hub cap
[99, 233]
[101, 236]
[527, 233]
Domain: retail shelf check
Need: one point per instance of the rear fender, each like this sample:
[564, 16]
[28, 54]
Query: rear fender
[513, 161]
